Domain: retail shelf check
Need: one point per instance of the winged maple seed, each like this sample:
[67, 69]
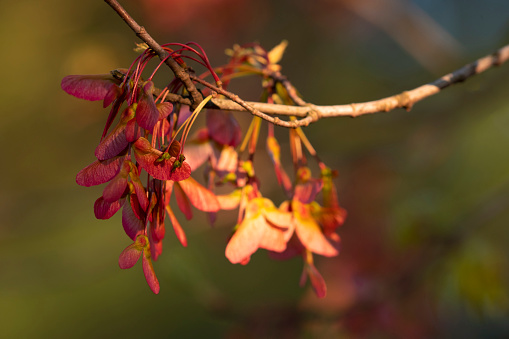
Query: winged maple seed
[263, 226]
[145, 159]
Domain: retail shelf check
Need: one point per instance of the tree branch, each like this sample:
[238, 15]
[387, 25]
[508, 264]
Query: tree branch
[163, 55]
[311, 113]
[251, 107]
[307, 112]
[403, 100]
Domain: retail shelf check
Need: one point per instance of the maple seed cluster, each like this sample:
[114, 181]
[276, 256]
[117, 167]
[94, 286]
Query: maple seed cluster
[145, 157]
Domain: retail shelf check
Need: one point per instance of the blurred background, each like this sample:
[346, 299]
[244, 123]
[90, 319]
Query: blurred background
[426, 242]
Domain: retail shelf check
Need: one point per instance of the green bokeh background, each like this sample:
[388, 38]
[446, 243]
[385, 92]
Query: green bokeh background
[432, 183]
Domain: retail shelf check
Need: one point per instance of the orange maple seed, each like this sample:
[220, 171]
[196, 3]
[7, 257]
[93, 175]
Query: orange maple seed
[183, 201]
[229, 201]
[228, 160]
[317, 281]
[309, 232]
[274, 152]
[279, 227]
[257, 230]
[256, 133]
[245, 241]
[199, 196]
[247, 136]
[179, 232]
[148, 271]
[273, 145]
[274, 238]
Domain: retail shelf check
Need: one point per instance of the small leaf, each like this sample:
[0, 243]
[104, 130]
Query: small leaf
[276, 54]
[140, 47]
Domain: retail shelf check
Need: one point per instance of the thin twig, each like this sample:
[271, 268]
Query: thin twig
[408, 98]
[250, 108]
[292, 92]
[174, 66]
[307, 112]
[311, 113]
[403, 100]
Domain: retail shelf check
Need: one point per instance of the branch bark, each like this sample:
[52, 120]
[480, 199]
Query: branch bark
[306, 112]
[405, 99]
[161, 53]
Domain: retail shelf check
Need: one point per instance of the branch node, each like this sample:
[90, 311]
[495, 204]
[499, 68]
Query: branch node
[314, 115]
[354, 110]
[497, 56]
[404, 101]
